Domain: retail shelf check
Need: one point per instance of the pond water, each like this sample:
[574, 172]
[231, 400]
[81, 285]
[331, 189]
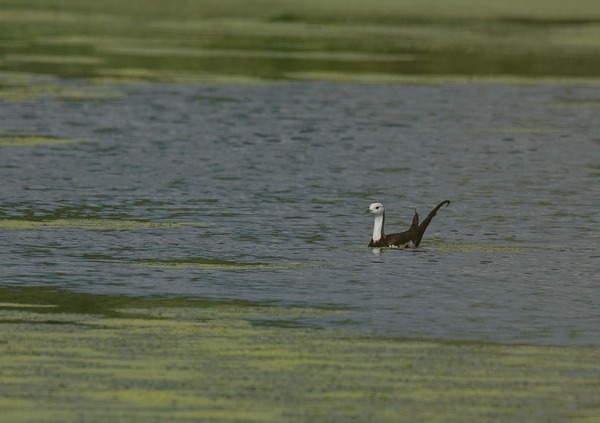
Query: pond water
[256, 193]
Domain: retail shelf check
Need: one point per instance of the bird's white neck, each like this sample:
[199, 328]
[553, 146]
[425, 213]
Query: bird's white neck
[378, 227]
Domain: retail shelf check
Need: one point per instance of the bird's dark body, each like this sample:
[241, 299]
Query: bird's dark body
[410, 238]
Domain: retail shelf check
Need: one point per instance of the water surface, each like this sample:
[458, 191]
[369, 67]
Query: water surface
[268, 182]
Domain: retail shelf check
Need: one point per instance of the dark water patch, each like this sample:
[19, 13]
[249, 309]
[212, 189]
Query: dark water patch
[56, 301]
[394, 170]
[215, 99]
[210, 264]
[52, 301]
[282, 323]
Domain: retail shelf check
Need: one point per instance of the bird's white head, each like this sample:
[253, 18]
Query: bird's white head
[376, 209]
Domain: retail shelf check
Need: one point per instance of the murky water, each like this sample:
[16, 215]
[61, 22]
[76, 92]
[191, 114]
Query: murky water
[279, 174]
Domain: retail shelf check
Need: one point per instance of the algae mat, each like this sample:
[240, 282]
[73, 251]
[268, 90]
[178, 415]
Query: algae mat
[237, 41]
[182, 360]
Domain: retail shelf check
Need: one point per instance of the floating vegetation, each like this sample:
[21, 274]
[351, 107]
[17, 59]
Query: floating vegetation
[424, 79]
[137, 75]
[90, 223]
[345, 56]
[26, 141]
[210, 264]
[363, 77]
[34, 16]
[385, 38]
[23, 86]
[181, 360]
[29, 92]
[20, 305]
[8, 78]
[54, 59]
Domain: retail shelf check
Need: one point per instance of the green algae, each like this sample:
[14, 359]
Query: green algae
[19, 305]
[54, 59]
[437, 79]
[169, 51]
[27, 141]
[281, 39]
[185, 360]
[215, 264]
[28, 92]
[8, 78]
[145, 75]
[32, 92]
[27, 86]
[90, 223]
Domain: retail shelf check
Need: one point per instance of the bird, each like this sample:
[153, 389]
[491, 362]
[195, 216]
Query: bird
[407, 239]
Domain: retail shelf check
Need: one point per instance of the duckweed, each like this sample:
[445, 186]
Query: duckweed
[202, 263]
[317, 40]
[180, 360]
[26, 141]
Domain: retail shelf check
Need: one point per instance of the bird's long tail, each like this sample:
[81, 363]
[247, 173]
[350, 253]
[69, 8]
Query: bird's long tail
[423, 226]
[415, 222]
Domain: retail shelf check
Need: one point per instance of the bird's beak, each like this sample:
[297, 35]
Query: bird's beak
[368, 211]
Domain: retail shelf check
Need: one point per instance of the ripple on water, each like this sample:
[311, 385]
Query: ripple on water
[255, 192]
